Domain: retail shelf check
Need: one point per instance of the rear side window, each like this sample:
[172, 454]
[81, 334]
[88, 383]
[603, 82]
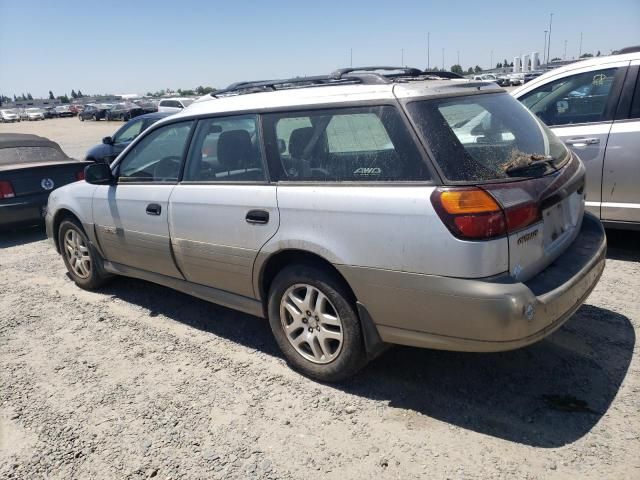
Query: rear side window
[353, 144]
[635, 104]
[486, 137]
[580, 98]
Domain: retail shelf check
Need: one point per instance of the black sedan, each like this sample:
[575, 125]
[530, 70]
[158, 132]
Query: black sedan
[111, 147]
[94, 112]
[124, 112]
[30, 168]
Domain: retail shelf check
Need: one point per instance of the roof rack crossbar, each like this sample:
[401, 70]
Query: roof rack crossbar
[410, 71]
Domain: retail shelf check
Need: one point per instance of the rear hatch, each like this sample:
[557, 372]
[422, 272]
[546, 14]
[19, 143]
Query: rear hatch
[490, 144]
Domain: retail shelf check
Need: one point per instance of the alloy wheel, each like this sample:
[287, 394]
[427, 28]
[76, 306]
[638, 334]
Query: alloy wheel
[77, 253]
[311, 323]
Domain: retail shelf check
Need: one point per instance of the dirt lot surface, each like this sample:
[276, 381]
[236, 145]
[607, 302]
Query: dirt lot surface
[75, 137]
[137, 381]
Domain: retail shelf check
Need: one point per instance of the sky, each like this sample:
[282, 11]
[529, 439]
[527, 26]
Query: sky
[138, 46]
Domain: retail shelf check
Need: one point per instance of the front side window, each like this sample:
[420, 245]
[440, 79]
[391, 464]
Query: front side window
[226, 149]
[128, 132]
[580, 98]
[351, 144]
[158, 156]
[486, 137]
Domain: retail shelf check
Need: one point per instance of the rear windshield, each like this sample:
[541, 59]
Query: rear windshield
[486, 137]
[12, 155]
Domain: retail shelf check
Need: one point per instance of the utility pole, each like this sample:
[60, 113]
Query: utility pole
[549, 42]
[428, 51]
[580, 50]
[564, 57]
[544, 50]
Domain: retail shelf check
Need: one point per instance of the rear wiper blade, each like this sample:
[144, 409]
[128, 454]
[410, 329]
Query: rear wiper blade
[525, 163]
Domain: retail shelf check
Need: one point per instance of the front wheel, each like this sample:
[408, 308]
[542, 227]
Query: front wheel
[82, 261]
[315, 323]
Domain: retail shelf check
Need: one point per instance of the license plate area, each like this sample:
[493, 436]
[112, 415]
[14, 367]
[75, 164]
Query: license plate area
[560, 220]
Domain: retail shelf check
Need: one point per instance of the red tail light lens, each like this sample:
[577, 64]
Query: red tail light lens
[471, 213]
[80, 175]
[6, 189]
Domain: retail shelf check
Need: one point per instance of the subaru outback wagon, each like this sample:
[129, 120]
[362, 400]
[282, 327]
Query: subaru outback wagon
[355, 210]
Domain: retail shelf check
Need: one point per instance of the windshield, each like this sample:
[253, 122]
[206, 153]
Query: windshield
[486, 137]
[30, 155]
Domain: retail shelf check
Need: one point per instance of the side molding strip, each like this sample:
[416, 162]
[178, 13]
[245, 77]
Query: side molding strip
[214, 295]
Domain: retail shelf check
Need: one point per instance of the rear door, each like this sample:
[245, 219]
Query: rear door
[621, 172]
[579, 106]
[224, 210]
[131, 217]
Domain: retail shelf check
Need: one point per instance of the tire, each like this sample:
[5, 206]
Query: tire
[95, 118]
[81, 118]
[340, 358]
[89, 274]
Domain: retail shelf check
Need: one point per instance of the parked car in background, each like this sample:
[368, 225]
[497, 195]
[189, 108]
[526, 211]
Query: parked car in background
[451, 241]
[149, 106]
[22, 113]
[9, 116]
[31, 167]
[111, 146]
[516, 79]
[50, 112]
[94, 111]
[34, 114]
[64, 111]
[123, 111]
[76, 108]
[528, 76]
[174, 105]
[486, 77]
[594, 107]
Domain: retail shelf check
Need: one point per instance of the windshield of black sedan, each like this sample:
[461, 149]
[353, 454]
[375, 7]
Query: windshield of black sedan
[486, 137]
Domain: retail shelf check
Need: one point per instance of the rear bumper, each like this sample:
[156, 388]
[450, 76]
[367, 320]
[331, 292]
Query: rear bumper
[481, 315]
[17, 212]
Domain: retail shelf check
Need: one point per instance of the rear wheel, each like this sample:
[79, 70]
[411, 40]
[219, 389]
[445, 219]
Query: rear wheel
[315, 323]
[82, 261]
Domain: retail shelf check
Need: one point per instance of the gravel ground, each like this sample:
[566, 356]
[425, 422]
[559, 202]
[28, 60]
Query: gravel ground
[138, 381]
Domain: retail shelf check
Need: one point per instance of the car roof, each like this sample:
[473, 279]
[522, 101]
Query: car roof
[153, 115]
[332, 94]
[590, 62]
[13, 140]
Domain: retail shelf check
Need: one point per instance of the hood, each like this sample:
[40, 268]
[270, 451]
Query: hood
[99, 151]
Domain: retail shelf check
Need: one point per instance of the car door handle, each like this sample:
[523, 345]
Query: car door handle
[257, 216]
[582, 142]
[154, 209]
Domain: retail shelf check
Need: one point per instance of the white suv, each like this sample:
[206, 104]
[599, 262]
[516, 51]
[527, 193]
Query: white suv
[174, 105]
[352, 210]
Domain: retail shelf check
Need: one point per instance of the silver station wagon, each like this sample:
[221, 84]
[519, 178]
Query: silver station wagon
[364, 208]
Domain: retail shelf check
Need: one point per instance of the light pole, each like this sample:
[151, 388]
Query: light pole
[544, 50]
[549, 41]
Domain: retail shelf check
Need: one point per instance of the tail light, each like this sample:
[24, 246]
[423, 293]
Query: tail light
[6, 190]
[80, 175]
[471, 213]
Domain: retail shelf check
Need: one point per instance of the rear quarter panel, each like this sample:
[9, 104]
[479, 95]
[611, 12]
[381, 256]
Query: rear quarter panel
[383, 227]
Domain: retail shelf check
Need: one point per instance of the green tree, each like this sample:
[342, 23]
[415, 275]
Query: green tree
[478, 69]
[499, 65]
[63, 98]
[556, 59]
[51, 97]
[23, 97]
[586, 55]
[80, 95]
[29, 96]
[15, 99]
[457, 69]
[74, 94]
[598, 54]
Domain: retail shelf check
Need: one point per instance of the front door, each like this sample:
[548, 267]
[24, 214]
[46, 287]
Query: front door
[621, 173]
[224, 210]
[131, 217]
[579, 107]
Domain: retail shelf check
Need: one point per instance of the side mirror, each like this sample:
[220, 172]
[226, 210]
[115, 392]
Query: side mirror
[98, 174]
[107, 141]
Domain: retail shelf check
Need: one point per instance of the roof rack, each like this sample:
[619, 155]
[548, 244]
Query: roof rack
[343, 76]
